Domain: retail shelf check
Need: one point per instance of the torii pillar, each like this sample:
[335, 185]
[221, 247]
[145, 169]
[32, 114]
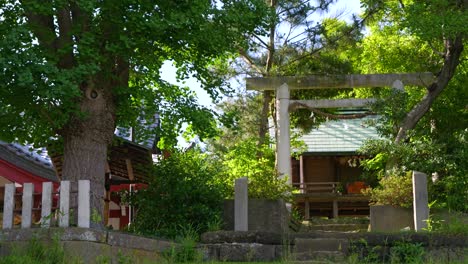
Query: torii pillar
[283, 144]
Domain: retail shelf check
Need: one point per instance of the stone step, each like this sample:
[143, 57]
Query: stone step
[306, 245]
[318, 257]
[339, 220]
[339, 227]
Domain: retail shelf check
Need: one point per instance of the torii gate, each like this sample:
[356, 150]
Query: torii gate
[282, 86]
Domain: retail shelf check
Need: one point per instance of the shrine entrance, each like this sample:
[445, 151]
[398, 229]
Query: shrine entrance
[323, 194]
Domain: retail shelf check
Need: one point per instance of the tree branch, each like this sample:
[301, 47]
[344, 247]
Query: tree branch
[249, 61]
[454, 49]
[271, 44]
[261, 41]
[79, 19]
[292, 7]
[64, 41]
[41, 25]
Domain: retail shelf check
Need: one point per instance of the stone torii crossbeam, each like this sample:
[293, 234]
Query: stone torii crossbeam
[282, 86]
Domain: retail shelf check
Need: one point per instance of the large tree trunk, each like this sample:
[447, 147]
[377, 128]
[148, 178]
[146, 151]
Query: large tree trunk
[84, 159]
[85, 146]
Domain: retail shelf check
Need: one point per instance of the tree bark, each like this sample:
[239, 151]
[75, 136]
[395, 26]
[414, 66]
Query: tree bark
[263, 129]
[454, 49]
[267, 95]
[85, 146]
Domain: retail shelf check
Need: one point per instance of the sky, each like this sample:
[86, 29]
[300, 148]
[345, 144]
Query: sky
[168, 72]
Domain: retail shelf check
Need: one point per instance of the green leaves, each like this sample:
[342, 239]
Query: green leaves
[242, 161]
[437, 19]
[184, 191]
[396, 190]
[50, 52]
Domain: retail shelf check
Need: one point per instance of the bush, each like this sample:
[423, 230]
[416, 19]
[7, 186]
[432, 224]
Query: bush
[182, 192]
[407, 252]
[393, 190]
[242, 161]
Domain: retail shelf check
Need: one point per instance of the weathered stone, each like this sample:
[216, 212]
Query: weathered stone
[64, 212]
[241, 204]
[320, 244]
[388, 218]
[243, 237]
[24, 234]
[8, 205]
[247, 252]
[85, 251]
[209, 252]
[27, 205]
[420, 201]
[143, 243]
[133, 255]
[81, 234]
[46, 208]
[283, 143]
[338, 81]
[84, 209]
[263, 215]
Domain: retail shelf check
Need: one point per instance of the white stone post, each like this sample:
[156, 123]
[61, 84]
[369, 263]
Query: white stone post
[46, 206]
[420, 200]
[241, 204]
[8, 205]
[84, 210]
[26, 212]
[64, 211]
[283, 142]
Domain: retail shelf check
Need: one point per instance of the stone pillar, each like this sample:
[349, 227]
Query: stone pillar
[241, 207]
[420, 200]
[84, 210]
[46, 208]
[26, 212]
[8, 205]
[283, 142]
[64, 213]
[301, 174]
[307, 209]
[335, 209]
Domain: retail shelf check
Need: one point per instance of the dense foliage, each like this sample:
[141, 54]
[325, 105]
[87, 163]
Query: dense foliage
[183, 193]
[73, 71]
[395, 189]
[242, 161]
[187, 190]
[423, 128]
[52, 52]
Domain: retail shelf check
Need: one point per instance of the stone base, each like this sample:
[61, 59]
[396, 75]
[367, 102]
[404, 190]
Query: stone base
[88, 245]
[263, 215]
[387, 218]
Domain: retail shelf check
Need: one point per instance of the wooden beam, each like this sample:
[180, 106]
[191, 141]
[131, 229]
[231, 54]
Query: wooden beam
[130, 169]
[339, 81]
[329, 103]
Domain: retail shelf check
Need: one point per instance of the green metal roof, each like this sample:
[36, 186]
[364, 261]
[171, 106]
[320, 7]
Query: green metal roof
[337, 136]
